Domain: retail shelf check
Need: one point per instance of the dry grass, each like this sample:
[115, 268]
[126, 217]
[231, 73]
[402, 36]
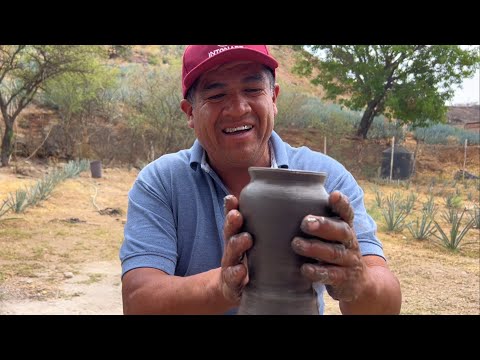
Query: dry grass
[434, 280]
[61, 234]
[66, 232]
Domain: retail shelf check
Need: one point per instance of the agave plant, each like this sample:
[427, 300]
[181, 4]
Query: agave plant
[476, 217]
[452, 241]
[394, 213]
[4, 208]
[18, 202]
[423, 229]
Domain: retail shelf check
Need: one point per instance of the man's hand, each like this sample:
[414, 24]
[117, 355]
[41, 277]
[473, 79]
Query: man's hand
[234, 271]
[340, 266]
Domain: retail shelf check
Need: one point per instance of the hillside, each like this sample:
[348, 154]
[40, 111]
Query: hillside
[286, 59]
[117, 143]
[462, 115]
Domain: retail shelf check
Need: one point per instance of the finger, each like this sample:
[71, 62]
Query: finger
[233, 223]
[230, 202]
[340, 205]
[234, 279]
[235, 248]
[234, 276]
[328, 275]
[329, 229]
[332, 253]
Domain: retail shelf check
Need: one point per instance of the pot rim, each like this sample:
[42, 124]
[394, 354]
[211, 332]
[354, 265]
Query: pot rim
[283, 170]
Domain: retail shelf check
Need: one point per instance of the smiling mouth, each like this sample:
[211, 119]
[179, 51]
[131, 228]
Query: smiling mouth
[238, 129]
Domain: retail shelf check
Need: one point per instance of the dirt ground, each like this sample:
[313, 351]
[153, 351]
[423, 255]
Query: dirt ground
[61, 256]
[77, 295]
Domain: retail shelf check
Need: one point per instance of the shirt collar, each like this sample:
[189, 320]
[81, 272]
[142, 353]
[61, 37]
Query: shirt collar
[279, 151]
[273, 160]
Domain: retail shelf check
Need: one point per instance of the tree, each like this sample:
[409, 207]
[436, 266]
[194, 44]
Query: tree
[151, 98]
[408, 82]
[79, 98]
[23, 71]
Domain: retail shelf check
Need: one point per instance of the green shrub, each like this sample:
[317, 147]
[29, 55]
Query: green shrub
[443, 134]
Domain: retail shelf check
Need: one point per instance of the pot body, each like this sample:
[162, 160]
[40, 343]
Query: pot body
[273, 205]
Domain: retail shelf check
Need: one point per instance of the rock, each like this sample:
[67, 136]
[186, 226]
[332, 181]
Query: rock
[459, 175]
[68, 274]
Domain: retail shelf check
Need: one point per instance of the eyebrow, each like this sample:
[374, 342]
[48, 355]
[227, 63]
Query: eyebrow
[219, 85]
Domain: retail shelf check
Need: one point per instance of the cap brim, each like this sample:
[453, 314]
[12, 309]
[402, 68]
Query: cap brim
[239, 54]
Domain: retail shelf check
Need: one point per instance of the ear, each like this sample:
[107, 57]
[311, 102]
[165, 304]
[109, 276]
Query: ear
[187, 108]
[276, 91]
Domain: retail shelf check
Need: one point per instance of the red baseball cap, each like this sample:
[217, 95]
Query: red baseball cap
[197, 59]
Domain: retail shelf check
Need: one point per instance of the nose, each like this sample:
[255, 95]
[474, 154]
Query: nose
[237, 105]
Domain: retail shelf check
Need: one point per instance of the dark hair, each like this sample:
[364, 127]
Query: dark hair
[190, 96]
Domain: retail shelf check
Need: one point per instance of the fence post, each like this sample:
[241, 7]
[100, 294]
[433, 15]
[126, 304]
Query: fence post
[464, 160]
[391, 158]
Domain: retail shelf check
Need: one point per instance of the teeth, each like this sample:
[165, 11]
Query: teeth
[240, 128]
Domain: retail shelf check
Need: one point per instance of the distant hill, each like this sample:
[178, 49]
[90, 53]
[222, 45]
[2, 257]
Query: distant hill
[158, 55]
[285, 56]
[463, 114]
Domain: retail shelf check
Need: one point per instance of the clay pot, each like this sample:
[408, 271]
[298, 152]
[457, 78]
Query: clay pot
[273, 205]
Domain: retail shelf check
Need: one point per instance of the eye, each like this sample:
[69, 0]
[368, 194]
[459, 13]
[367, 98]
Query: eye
[216, 96]
[254, 92]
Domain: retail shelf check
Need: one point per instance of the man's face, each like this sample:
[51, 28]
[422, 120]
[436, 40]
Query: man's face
[233, 114]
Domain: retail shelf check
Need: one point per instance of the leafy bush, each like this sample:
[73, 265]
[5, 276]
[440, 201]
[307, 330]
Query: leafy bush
[302, 110]
[444, 134]
[151, 98]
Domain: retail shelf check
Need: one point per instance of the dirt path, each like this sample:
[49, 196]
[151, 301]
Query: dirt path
[61, 256]
[80, 296]
[84, 298]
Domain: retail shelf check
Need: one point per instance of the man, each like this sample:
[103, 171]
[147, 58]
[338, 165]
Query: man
[183, 246]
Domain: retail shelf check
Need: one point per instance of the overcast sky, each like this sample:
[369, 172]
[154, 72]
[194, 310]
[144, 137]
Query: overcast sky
[469, 93]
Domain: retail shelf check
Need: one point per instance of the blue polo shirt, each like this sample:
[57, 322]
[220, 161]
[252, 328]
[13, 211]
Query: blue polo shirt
[175, 210]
